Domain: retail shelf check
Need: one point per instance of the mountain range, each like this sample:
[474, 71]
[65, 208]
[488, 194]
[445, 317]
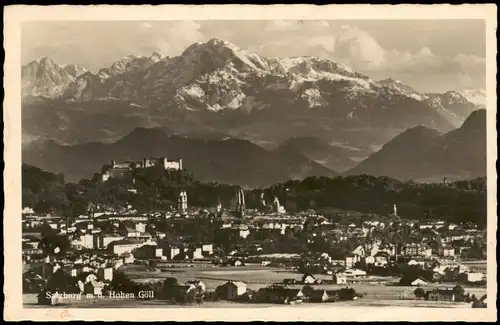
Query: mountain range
[304, 115]
[218, 87]
[421, 153]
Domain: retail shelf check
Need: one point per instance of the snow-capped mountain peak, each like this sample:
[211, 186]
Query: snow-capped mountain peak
[402, 88]
[43, 77]
[453, 96]
[475, 96]
[156, 57]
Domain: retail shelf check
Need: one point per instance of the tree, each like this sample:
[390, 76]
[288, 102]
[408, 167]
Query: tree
[55, 244]
[458, 291]
[347, 293]
[62, 282]
[168, 288]
[419, 293]
[121, 282]
[307, 289]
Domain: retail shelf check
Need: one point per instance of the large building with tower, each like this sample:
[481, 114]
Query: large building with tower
[120, 169]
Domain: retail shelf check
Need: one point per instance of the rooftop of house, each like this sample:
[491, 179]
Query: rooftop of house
[237, 283]
[126, 242]
[283, 290]
[444, 291]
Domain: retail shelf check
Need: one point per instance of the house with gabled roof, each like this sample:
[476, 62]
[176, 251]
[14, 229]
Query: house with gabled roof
[231, 290]
[440, 295]
[279, 294]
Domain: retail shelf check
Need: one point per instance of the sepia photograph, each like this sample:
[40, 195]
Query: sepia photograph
[184, 163]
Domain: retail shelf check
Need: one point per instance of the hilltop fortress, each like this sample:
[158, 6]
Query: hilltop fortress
[119, 169]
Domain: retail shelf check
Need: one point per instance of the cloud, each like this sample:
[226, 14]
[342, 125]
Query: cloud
[359, 48]
[422, 68]
[100, 44]
[168, 38]
[296, 25]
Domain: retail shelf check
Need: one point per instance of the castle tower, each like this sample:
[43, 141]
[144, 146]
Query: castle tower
[182, 201]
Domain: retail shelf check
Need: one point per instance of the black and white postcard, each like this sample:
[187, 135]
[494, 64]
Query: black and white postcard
[290, 162]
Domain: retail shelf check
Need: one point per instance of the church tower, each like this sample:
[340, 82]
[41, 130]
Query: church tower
[262, 200]
[219, 206]
[240, 202]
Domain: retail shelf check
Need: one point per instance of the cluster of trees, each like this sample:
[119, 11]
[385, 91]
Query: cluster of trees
[53, 243]
[43, 191]
[157, 189]
[462, 201]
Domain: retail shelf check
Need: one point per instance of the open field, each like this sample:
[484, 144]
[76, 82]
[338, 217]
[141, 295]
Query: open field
[256, 277]
[377, 291]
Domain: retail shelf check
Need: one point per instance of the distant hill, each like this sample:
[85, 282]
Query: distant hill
[421, 153]
[40, 188]
[332, 157]
[230, 161]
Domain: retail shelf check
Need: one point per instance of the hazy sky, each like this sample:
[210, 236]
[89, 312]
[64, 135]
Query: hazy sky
[429, 55]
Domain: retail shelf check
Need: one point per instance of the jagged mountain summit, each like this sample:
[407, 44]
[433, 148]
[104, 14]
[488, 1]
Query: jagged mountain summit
[402, 88]
[46, 78]
[452, 105]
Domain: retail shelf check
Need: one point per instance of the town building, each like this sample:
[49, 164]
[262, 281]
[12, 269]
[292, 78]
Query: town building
[447, 251]
[182, 203]
[126, 245]
[105, 274]
[231, 290]
[472, 277]
[441, 295]
[102, 241]
[416, 249]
